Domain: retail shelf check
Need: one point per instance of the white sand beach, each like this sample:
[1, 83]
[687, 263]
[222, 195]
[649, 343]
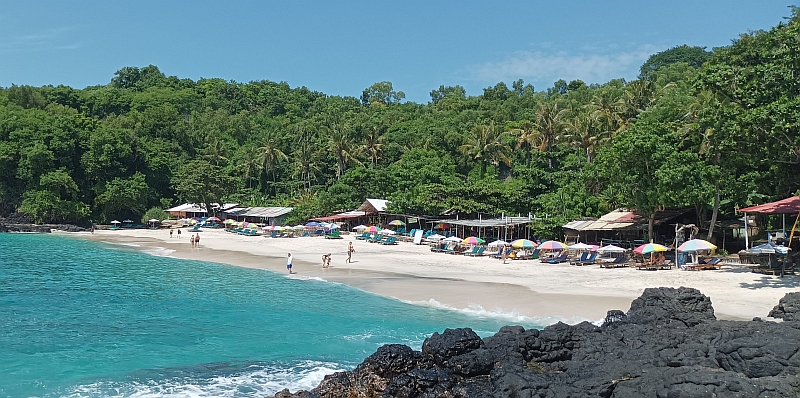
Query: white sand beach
[413, 274]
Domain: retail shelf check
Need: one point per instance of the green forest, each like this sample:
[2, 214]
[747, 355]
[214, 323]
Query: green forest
[712, 129]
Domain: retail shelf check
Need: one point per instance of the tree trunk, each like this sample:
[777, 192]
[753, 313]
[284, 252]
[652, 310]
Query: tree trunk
[714, 212]
[651, 221]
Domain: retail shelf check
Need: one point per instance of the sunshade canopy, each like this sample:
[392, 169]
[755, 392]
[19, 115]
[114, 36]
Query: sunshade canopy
[785, 206]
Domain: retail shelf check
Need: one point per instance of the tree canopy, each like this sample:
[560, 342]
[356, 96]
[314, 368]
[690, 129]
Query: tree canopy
[709, 129]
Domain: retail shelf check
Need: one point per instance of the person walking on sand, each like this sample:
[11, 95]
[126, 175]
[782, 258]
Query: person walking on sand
[504, 254]
[350, 251]
[170, 233]
[179, 233]
[191, 240]
[289, 263]
[326, 260]
[197, 240]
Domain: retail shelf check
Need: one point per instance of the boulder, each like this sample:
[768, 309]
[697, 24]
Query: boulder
[788, 308]
[669, 344]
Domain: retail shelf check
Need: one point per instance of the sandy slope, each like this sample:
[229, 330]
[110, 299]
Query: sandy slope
[521, 288]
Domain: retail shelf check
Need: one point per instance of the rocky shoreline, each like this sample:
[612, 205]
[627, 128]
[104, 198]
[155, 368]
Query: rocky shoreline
[669, 344]
[17, 222]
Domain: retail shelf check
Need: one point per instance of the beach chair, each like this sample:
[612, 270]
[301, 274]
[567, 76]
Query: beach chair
[333, 235]
[390, 240]
[471, 252]
[583, 258]
[587, 261]
[363, 236]
[557, 260]
[401, 230]
[477, 253]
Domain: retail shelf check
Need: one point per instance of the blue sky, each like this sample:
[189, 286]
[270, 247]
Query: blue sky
[342, 47]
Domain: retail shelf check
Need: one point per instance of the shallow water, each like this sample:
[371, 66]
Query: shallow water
[84, 319]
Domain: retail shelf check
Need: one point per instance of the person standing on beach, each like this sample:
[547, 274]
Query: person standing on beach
[350, 251]
[326, 260]
[197, 240]
[191, 240]
[289, 263]
[170, 232]
[179, 233]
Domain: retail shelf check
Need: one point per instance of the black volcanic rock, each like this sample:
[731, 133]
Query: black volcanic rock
[668, 345]
[788, 308]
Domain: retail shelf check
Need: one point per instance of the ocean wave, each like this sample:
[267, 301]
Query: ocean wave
[158, 251]
[307, 278]
[252, 380]
[498, 313]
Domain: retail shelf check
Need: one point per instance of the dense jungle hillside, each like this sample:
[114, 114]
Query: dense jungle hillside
[713, 129]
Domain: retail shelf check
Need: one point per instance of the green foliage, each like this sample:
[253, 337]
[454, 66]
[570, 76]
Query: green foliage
[154, 213]
[695, 123]
[691, 55]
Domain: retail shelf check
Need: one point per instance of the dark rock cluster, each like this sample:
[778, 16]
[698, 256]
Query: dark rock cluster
[18, 222]
[669, 344]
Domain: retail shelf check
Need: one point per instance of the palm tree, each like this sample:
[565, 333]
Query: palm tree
[487, 145]
[549, 124]
[271, 155]
[305, 163]
[250, 164]
[527, 136]
[340, 144]
[215, 150]
[584, 131]
[373, 146]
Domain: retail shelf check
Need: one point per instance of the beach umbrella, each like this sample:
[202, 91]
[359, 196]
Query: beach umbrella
[333, 226]
[298, 226]
[442, 225]
[453, 239]
[610, 249]
[552, 245]
[360, 227]
[581, 246]
[387, 232]
[165, 221]
[436, 237]
[373, 229]
[499, 243]
[229, 221]
[116, 222]
[397, 223]
[696, 245]
[650, 248]
[191, 222]
[312, 224]
[472, 240]
[212, 219]
[523, 244]
[152, 220]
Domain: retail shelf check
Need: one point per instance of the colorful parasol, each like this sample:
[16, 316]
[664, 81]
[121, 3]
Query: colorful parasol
[472, 240]
[695, 245]
[552, 245]
[524, 244]
[648, 248]
[397, 223]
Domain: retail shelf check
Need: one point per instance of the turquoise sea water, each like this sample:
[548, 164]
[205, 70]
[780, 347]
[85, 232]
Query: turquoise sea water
[87, 319]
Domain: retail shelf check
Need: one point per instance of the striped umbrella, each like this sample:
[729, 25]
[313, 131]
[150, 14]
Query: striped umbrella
[696, 245]
[229, 221]
[523, 244]
[472, 240]
[373, 229]
[397, 223]
[552, 245]
[648, 248]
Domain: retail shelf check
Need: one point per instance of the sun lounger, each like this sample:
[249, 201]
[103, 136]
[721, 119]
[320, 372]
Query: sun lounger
[617, 262]
[583, 258]
[363, 236]
[333, 235]
[471, 252]
[477, 253]
[587, 261]
[390, 240]
[557, 260]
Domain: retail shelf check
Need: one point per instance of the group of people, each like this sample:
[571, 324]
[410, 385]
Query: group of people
[326, 258]
[193, 239]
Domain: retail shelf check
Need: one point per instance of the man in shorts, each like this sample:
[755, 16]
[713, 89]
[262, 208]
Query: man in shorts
[289, 263]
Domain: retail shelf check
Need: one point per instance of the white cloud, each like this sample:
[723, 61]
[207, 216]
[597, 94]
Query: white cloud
[46, 40]
[539, 66]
